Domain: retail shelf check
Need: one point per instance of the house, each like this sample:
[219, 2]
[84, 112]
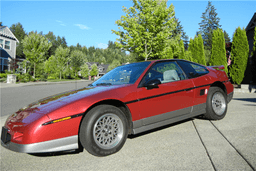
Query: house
[250, 75]
[250, 31]
[8, 43]
[102, 68]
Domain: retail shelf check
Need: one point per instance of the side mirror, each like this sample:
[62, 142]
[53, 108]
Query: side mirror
[152, 84]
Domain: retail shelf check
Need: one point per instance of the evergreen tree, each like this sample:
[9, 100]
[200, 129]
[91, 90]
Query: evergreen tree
[19, 32]
[182, 50]
[1, 23]
[147, 28]
[201, 54]
[226, 36]
[179, 31]
[191, 49]
[56, 42]
[209, 22]
[194, 49]
[239, 55]
[188, 56]
[218, 52]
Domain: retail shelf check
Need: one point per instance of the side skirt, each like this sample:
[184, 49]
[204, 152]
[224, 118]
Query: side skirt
[167, 118]
[62, 144]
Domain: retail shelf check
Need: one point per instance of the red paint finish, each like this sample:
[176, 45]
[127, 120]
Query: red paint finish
[26, 125]
[170, 98]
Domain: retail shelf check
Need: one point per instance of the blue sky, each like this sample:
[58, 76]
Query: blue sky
[89, 23]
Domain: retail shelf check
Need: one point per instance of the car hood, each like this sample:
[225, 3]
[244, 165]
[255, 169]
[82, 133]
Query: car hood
[42, 107]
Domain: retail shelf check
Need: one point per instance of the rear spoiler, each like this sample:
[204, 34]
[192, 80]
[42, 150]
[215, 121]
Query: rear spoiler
[220, 67]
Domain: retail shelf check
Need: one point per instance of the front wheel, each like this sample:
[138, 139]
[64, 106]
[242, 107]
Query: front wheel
[216, 104]
[103, 130]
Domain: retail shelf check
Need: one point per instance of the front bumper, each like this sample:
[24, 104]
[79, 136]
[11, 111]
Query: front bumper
[62, 144]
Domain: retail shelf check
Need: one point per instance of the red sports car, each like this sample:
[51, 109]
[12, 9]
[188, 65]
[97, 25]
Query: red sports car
[130, 99]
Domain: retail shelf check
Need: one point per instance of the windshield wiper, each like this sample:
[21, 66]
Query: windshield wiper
[103, 84]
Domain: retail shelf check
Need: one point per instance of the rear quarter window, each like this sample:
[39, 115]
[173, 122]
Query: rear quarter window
[193, 70]
[200, 69]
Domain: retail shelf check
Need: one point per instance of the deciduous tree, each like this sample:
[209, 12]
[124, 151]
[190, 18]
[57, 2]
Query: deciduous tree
[94, 71]
[77, 59]
[113, 65]
[36, 47]
[84, 70]
[146, 28]
[62, 55]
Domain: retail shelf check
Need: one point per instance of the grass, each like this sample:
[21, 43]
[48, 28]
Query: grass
[2, 80]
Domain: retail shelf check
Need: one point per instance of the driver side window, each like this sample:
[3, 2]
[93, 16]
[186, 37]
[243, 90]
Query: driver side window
[165, 72]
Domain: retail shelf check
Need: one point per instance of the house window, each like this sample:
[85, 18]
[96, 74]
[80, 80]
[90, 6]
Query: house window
[1, 43]
[3, 64]
[7, 45]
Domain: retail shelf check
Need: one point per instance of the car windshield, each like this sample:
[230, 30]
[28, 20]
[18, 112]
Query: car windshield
[126, 74]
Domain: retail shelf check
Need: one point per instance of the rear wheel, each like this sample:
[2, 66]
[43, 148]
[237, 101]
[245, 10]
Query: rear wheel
[103, 130]
[216, 105]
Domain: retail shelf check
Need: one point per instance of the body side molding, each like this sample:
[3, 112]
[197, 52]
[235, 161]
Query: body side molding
[167, 118]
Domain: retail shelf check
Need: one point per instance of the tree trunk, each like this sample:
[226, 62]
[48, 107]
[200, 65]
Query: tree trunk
[146, 50]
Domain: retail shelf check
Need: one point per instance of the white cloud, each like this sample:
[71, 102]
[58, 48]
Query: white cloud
[61, 23]
[81, 26]
[102, 45]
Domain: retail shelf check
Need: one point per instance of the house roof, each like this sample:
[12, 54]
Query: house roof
[91, 63]
[6, 32]
[105, 66]
[252, 23]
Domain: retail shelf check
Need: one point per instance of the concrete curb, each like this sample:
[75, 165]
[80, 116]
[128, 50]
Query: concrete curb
[5, 85]
[246, 88]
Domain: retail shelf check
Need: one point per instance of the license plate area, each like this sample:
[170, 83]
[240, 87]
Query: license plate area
[5, 136]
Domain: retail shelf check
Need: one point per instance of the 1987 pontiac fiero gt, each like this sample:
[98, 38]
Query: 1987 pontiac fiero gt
[127, 100]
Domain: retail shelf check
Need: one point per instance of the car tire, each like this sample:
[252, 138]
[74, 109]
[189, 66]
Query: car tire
[216, 104]
[103, 130]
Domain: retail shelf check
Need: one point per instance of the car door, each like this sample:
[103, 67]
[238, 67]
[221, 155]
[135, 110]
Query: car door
[198, 74]
[164, 93]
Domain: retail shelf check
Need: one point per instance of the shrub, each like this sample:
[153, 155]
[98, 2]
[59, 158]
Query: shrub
[51, 78]
[239, 56]
[24, 77]
[43, 77]
[3, 75]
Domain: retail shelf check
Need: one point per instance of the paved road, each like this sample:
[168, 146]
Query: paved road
[18, 96]
[196, 144]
